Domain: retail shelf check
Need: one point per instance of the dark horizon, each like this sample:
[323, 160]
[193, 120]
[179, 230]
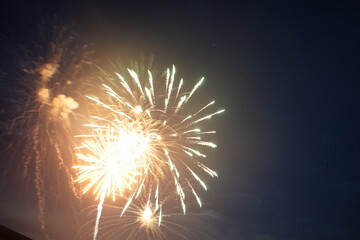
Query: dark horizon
[8, 234]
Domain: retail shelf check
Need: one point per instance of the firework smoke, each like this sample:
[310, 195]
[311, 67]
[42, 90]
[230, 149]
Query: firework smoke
[42, 114]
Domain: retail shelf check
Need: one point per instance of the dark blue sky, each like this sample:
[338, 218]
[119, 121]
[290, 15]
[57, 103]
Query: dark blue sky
[287, 73]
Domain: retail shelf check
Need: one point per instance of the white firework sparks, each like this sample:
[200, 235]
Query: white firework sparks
[170, 144]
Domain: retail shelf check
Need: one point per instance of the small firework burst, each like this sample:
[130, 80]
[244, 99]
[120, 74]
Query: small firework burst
[145, 220]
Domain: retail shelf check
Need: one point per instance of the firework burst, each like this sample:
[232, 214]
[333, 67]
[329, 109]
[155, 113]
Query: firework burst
[145, 220]
[43, 112]
[144, 137]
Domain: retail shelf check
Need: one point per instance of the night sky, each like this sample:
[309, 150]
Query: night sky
[287, 73]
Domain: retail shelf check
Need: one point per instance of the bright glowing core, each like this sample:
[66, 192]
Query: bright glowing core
[147, 217]
[115, 159]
